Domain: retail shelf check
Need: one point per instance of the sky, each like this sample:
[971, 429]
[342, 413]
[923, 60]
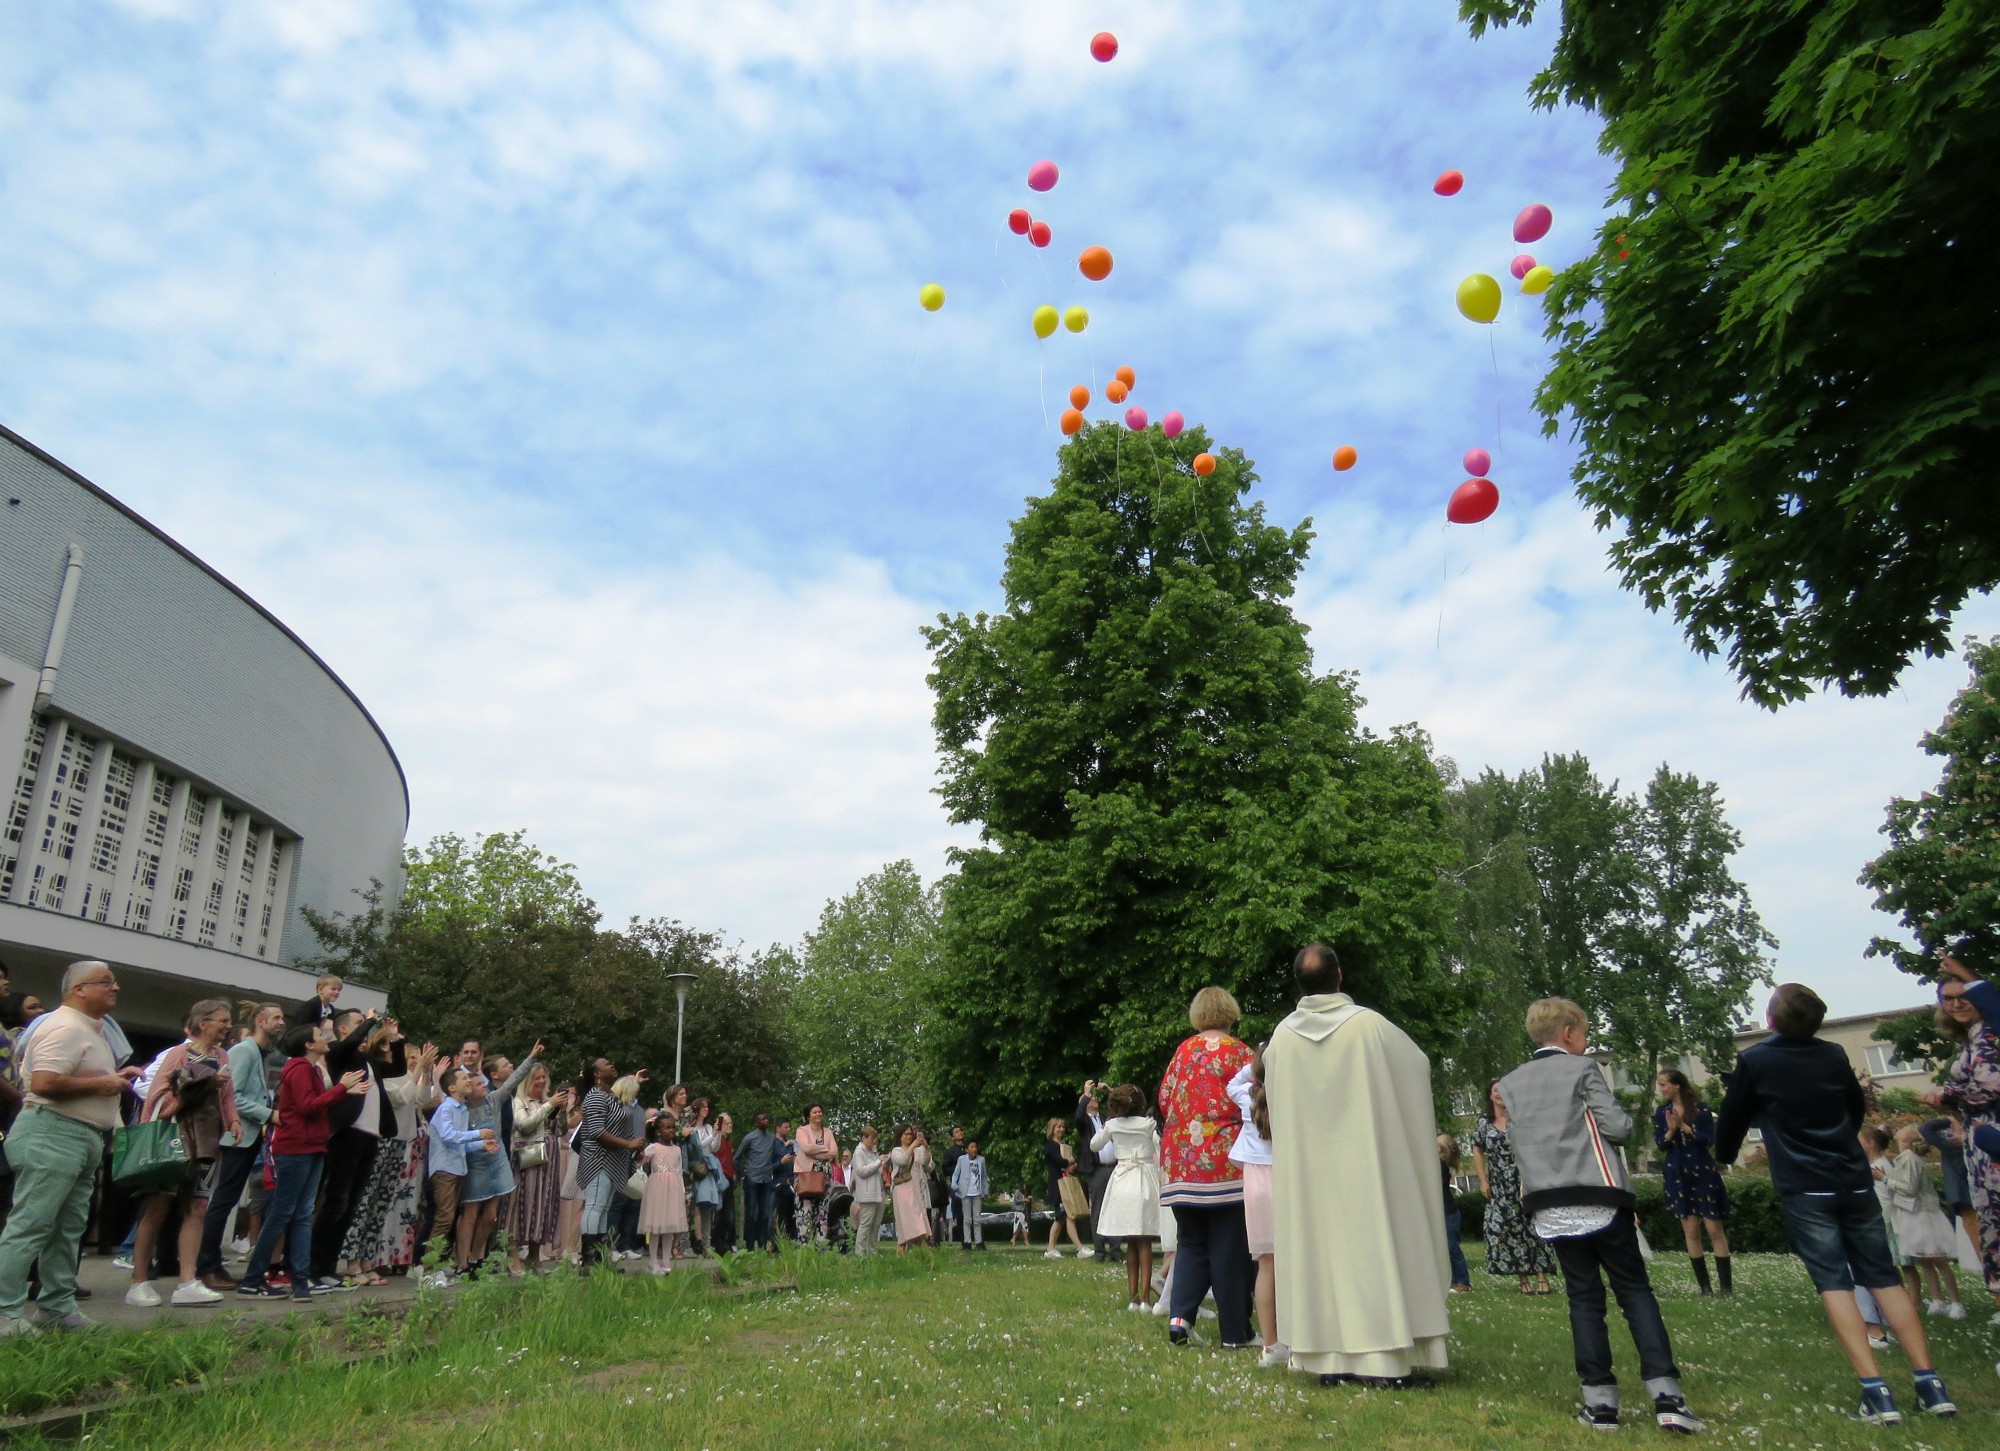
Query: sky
[556, 371]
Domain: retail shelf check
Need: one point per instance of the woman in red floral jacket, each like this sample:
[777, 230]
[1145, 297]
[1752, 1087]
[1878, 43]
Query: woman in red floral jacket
[1198, 1181]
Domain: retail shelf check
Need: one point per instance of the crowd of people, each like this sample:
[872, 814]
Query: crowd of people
[1295, 1184]
[318, 1150]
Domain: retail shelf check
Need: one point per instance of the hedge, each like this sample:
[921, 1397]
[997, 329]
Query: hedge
[1755, 1225]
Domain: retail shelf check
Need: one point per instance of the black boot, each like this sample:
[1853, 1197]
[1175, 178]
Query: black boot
[1700, 1264]
[591, 1252]
[1727, 1278]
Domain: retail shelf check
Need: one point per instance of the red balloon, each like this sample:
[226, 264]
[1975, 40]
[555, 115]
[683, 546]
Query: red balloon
[1473, 501]
[1039, 233]
[1018, 221]
[1449, 183]
[1103, 45]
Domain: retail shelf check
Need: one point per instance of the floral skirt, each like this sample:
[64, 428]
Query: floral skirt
[384, 1231]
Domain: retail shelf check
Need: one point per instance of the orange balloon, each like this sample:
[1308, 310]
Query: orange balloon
[1204, 464]
[1344, 457]
[1116, 390]
[1095, 263]
[1126, 376]
[1079, 397]
[1072, 420]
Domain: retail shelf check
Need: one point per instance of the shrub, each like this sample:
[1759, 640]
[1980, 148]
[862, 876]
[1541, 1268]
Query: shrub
[1755, 1224]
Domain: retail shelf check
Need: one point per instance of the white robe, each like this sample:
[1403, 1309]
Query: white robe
[1361, 1267]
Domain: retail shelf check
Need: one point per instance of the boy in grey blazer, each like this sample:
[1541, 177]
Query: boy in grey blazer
[1565, 1122]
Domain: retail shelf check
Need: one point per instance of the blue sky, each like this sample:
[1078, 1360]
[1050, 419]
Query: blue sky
[556, 370]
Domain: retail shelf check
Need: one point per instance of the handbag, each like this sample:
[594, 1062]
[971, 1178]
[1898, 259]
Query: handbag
[1076, 1203]
[635, 1187]
[535, 1155]
[148, 1156]
[809, 1183]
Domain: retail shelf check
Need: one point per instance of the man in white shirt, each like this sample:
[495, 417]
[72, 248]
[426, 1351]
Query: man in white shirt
[73, 1082]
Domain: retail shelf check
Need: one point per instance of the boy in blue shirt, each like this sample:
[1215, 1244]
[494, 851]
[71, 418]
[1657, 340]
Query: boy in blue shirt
[968, 1185]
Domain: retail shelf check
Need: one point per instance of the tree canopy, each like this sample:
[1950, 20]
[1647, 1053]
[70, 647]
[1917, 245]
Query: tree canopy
[1167, 795]
[1940, 873]
[1778, 359]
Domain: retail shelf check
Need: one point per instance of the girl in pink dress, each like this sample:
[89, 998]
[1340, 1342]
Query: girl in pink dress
[663, 1212]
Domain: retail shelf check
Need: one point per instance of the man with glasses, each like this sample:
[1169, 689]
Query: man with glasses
[73, 1084]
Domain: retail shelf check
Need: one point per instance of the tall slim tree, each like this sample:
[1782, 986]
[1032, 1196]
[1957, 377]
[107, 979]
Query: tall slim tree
[860, 1002]
[1778, 357]
[1688, 946]
[1941, 871]
[1167, 795]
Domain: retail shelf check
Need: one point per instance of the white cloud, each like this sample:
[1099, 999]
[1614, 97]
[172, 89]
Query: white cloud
[1512, 638]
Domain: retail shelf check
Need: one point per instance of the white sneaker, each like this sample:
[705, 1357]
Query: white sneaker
[121, 1262]
[1878, 1341]
[1133, 1306]
[1086, 1253]
[1954, 1310]
[239, 1249]
[143, 1296]
[438, 1280]
[1053, 1254]
[194, 1292]
[1160, 1309]
[1279, 1354]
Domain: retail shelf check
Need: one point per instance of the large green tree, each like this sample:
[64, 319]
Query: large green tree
[1940, 873]
[1778, 359]
[860, 1006]
[1167, 794]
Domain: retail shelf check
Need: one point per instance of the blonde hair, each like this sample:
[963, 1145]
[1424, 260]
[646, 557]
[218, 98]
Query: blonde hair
[1056, 1126]
[329, 979]
[1213, 1008]
[626, 1089]
[1547, 1017]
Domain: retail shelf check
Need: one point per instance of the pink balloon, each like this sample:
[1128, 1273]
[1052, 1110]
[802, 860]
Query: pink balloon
[1135, 419]
[1172, 425]
[1042, 175]
[1472, 502]
[1519, 267]
[1530, 226]
[1477, 461]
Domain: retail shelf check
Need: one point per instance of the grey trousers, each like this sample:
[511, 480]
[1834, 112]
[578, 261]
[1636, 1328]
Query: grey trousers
[867, 1228]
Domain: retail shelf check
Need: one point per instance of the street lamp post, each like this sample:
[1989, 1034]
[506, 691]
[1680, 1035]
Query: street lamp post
[682, 981]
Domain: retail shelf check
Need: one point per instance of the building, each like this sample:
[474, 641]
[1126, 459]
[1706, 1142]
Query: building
[188, 774]
[1856, 1037]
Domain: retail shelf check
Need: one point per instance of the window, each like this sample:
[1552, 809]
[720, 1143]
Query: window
[1883, 1062]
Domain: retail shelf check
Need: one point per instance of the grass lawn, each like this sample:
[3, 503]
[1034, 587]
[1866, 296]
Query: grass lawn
[1002, 1349]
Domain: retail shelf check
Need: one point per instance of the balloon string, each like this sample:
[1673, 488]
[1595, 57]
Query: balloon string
[1493, 351]
[1041, 381]
[1444, 545]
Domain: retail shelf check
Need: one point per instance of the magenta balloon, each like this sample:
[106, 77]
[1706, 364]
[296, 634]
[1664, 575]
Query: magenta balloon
[1172, 425]
[1135, 419]
[1530, 226]
[1477, 461]
[1519, 267]
[1042, 175]
[1473, 502]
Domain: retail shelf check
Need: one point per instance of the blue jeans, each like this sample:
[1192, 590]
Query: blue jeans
[760, 1204]
[1841, 1239]
[290, 1209]
[1461, 1272]
[1614, 1250]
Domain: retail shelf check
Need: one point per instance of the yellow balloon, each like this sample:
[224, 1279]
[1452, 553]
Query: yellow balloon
[1076, 319]
[1537, 279]
[1045, 320]
[931, 295]
[1479, 297]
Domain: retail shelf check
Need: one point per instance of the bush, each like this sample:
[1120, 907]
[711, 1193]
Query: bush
[1755, 1224]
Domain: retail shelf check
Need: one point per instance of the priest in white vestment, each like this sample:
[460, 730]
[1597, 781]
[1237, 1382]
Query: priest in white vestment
[1360, 1253]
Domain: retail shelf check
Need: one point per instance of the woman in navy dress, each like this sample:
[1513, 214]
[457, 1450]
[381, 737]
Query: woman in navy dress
[1683, 1130]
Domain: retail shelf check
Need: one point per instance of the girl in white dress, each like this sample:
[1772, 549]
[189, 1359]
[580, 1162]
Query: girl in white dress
[1927, 1238]
[1131, 1207]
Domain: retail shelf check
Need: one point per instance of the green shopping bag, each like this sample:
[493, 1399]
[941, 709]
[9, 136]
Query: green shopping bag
[148, 1156]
